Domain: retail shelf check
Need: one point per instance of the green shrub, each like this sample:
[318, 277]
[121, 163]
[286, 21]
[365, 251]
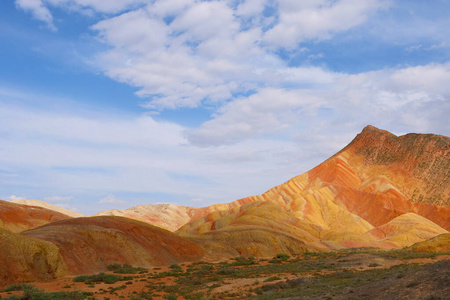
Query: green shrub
[283, 256]
[17, 287]
[170, 296]
[102, 277]
[176, 268]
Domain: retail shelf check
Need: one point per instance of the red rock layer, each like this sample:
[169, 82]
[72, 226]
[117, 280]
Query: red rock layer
[17, 217]
[88, 245]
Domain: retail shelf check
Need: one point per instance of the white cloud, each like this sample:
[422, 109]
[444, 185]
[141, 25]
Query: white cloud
[197, 200]
[56, 199]
[14, 197]
[39, 11]
[317, 19]
[110, 199]
[40, 8]
[272, 118]
[266, 112]
[184, 63]
[413, 97]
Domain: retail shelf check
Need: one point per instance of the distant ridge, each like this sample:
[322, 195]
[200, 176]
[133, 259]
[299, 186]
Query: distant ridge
[32, 202]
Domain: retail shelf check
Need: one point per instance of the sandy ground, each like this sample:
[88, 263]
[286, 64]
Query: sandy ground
[355, 262]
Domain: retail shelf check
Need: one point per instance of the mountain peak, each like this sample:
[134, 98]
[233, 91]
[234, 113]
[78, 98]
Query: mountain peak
[424, 158]
[369, 129]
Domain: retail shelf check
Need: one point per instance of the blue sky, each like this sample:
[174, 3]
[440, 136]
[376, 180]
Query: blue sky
[112, 104]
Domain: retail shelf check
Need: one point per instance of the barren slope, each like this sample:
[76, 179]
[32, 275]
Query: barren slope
[17, 217]
[38, 203]
[25, 259]
[88, 245]
[169, 216]
[355, 199]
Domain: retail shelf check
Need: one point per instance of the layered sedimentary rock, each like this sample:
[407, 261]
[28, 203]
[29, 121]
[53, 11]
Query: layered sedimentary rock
[38, 203]
[440, 243]
[17, 217]
[380, 191]
[25, 259]
[88, 245]
[169, 216]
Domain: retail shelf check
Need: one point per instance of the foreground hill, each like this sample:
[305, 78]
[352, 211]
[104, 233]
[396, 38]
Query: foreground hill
[24, 259]
[88, 245]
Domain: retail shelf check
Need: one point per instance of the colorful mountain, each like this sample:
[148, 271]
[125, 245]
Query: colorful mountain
[381, 191]
[17, 217]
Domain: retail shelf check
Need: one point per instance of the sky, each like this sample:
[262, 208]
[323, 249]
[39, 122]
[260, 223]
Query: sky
[116, 103]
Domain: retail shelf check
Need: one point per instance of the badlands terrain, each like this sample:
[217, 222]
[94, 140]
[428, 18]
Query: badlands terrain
[373, 219]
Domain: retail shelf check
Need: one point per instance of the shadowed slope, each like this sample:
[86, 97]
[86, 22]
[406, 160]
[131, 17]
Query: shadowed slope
[25, 259]
[88, 245]
[407, 229]
[17, 218]
[440, 243]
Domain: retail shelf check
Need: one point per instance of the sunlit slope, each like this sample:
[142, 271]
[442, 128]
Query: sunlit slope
[440, 243]
[88, 245]
[169, 216]
[17, 217]
[260, 229]
[344, 201]
[25, 259]
[38, 203]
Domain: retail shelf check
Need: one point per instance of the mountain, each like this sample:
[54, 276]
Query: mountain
[17, 217]
[379, 191]
[377, 177]
[38, 203]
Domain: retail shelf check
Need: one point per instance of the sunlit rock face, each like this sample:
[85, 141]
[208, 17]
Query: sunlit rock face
[25, 259]
[38, 203]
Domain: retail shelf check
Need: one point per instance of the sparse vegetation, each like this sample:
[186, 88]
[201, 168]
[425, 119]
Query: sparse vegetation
[311, 275]
[101, 277]
[125, 269]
